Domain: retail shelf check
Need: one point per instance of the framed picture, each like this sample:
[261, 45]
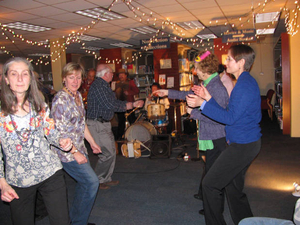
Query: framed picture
[165, 63]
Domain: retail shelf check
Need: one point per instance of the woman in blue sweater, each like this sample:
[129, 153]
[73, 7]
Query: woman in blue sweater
[211, 133]
[241, 118]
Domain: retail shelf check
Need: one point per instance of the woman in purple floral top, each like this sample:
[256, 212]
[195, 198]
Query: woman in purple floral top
[69, 115]
[26, 132]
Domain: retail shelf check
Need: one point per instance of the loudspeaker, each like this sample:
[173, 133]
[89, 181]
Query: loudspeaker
[161, 146]
[190, 126]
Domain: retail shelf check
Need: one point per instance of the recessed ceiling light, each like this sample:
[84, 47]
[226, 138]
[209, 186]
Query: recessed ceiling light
[89, 38]
[144, 30]
[266, 17]
[265, 31]
[39, 54]
[100, 13]
[206, 36]
[26, 27]
[121, 45]
[91, 48]
[195, 24]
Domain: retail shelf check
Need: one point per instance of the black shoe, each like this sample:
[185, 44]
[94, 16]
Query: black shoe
[197, 196]
[91, 224]
[201, 211]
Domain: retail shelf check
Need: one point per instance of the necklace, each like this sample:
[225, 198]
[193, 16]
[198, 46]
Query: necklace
[25, 133]
[75, 96]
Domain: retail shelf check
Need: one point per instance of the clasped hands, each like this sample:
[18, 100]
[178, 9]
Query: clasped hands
[200, 95]
[193, 100]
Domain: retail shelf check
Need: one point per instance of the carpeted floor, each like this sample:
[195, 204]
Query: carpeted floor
[160, 191]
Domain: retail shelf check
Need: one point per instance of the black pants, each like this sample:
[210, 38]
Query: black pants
[53, 191]
[210, 158]
[228, 173]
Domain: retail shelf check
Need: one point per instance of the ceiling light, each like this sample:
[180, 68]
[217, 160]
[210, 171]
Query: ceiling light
[195, 24]
[144, 30]
[206, 36]
[89, 38]
[265, 31]
[266, 17]
[91, 48]
[100, 13]
[39, 54]
[121, 45]
[26, 27]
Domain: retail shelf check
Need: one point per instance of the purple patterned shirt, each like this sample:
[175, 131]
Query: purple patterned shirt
[70, 122]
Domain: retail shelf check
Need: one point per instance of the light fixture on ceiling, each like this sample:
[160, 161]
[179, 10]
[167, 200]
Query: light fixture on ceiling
[89, 38]
[144, 30]
[39, 54]
[26, 27]
[121, 45]
[206, 36]
[195, 24]
[91, 48]
[267, 17]
[100, 13]
[265, 31]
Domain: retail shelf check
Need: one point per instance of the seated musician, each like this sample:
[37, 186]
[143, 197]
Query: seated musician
[152, 99]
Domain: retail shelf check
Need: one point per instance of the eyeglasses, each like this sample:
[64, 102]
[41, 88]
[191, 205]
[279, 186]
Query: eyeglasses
[228, 59]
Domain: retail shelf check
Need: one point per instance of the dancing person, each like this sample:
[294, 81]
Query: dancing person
[26, 134]
[1, 68]
[101, 106]
[125, 91]
[211, 133]
[241, 117]
[69, 115]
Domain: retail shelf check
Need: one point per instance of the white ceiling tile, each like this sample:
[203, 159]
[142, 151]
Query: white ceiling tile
[75, 5]
[19, 16]
[46, 11]
[20, 4]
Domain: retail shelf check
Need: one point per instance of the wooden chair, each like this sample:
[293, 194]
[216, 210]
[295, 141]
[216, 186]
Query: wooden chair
[266, 102]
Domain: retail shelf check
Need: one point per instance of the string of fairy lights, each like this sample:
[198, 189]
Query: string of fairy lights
[166, 28]
[291, 19]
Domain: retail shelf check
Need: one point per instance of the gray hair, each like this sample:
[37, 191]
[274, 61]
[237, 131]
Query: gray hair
[102, 69]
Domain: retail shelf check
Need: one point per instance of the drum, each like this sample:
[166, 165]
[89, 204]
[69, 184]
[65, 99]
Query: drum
[141, 131]
[161, 122]
[156, 111]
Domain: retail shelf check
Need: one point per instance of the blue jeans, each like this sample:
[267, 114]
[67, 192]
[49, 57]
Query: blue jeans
[264, 221]
[85, 191]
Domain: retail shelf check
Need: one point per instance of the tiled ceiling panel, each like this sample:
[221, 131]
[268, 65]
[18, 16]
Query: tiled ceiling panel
[59, 15]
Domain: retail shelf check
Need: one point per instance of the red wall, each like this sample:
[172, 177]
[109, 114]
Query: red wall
[221, 48]
[111, 54]
[168, 53]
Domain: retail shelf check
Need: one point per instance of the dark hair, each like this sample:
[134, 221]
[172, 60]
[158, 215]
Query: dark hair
[221, 68]
[209, 64]
[8, 99]
[245, 52]
[157, 85]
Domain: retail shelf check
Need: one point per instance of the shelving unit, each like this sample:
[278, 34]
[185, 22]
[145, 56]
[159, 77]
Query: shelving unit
[143, 82]
[282, 105]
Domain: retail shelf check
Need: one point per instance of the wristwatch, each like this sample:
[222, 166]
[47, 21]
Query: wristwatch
[74, 151]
